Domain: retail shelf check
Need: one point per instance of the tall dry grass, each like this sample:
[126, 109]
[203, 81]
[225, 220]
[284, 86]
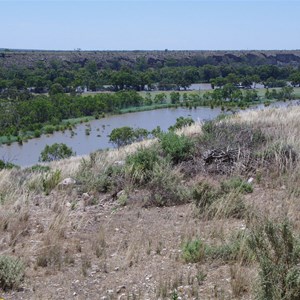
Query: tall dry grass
[281, 123]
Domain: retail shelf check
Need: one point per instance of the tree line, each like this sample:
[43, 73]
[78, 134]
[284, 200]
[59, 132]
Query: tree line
[56, 77]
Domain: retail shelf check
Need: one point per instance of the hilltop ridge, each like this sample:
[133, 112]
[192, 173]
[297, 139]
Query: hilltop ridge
[153, 58]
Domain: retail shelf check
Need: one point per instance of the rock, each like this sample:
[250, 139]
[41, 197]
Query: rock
[250, 180]
[85, 196]
[119, 194]
[121, 288]
[66, 183]
[120, 162]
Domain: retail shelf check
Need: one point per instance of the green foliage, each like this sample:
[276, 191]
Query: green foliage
[140, 165]
[55, 152]
[126, 135]
[11, 272]
[175, 97]
[37, 133]
[39, 169]
[49, 129]
[193, 251]
[109, 179]
[236, 184]
[235, 249]
[222, 201]
[165, 186]
[177, 147]
[204, 195]
[182, 122]
[50, 181]
[223, 135]
[122, 136]
[55, 89]
[277, 252]
[7, 165]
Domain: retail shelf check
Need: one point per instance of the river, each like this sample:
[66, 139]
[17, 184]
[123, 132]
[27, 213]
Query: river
[28, 153]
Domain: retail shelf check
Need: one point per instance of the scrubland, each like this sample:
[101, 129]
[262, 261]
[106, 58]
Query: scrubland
[208, 212]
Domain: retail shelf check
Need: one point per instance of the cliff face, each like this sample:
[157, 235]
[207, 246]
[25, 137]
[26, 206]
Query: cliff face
[116, 59]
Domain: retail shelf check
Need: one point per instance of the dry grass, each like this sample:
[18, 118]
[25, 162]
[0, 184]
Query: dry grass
[283, 124]
[106, 246]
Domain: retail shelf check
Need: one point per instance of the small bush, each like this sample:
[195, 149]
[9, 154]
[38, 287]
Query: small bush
[37, 133]
[218, 201]
[7, 165]
[50, 256]
[110, 179]
[228, 206]
[280, 156]
[39, 169]
[49, 129]
[277, 252]
[235, 249]
[204, 195]
[177, 147]
[236, 184]
[182, 122]
[193, 251]
[222, 135]
[11, 272]
[50, 181]
[55, 152]
[140, 165]
[165, 186]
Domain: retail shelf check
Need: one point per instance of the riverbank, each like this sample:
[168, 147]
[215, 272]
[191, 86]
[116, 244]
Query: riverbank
[193, 99]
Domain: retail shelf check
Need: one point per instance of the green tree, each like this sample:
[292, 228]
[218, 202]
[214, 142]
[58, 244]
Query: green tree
[122, 136]
[175, 97]
[182, 122]
[55, 152]
[55, 89]
[295, 79]
[160, 98]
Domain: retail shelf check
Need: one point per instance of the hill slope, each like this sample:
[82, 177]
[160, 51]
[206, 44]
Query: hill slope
[189, 228]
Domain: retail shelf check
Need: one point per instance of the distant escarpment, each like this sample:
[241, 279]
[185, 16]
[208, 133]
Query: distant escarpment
[149, 59]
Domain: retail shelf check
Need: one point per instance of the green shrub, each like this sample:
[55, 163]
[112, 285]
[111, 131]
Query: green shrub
[193, 251]
[177, 147]
[277, 252]
[11, 272]
[165, 186]
[49, 129]
[216, 201]
[39, 168]
[7, 165]
[140, 165]
[236, 184]
[50, 181]
[236, 248]
[204, 195]
[182, 122]
[225, 135]
[37, 133]
[109, 179]
[55, 152]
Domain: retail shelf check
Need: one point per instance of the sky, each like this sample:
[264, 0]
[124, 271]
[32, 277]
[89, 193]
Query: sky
[150, 25]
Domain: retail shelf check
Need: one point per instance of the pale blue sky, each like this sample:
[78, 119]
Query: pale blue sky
[132, 25]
